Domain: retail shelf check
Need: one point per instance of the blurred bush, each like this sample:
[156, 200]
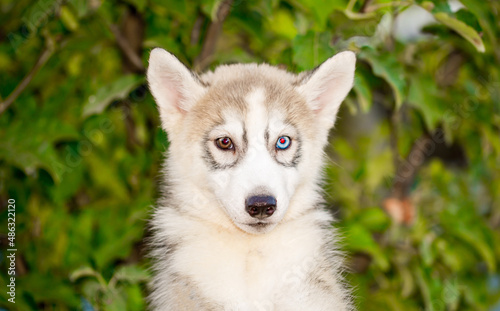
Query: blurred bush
[414, 175]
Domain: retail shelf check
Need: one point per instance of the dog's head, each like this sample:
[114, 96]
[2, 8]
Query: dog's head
[248, 137]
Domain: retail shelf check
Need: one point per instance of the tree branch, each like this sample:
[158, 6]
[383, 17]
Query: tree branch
[126, 48]
[396, 158]
[196, 32]
[213, 33]
[366, 4]
[42, 59]
[408, 168]
[398, 204]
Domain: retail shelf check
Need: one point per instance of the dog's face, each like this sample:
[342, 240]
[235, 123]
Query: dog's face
[250, 137]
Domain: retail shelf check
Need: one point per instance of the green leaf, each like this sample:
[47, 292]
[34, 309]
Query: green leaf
[82, 272]
[57, 290]
[425, 288]
[351, 14]
[131, 274]
[469, 18]
[81, 7]
[35, 16]
[386, 66]
[106, 176]
[373, 218]
[436, 6]
[135, 299]
[115, 300]
[467, 32]
[321, 9]
[92, 289]
[37, 151]
[282, 23]
[115, 242]
[484, 15]
[423, 94]
[451, 293]
[68, 18]
[358, 238]
[427, 252]
[179, 7]
[379, 168]
[311, 49]
[363, 92]
[477, 241]
[118, 89]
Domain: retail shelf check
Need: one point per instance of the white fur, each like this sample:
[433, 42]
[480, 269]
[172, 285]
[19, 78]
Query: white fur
[207, 254]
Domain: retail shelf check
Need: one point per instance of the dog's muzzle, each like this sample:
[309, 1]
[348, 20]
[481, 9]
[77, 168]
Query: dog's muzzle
[260, 206]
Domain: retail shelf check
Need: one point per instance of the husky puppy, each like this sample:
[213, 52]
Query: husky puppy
[241, 225]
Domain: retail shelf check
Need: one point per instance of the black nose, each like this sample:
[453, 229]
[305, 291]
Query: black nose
[260, 206]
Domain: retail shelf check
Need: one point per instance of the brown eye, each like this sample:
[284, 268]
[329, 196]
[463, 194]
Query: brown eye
[224, 143]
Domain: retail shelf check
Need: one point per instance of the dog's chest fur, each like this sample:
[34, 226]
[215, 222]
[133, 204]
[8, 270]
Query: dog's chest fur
[289, 268]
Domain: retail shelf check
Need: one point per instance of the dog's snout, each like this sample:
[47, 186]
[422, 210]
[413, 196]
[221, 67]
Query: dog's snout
[260, 206]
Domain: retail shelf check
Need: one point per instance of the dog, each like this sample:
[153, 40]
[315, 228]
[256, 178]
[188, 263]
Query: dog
[241, 224]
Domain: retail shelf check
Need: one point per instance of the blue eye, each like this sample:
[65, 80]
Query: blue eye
[283, 142]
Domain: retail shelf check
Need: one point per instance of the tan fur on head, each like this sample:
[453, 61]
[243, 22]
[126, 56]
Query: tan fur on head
[177, 90]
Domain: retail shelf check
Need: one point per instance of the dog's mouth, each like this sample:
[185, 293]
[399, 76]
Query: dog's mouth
[258, 227]
[259, 224]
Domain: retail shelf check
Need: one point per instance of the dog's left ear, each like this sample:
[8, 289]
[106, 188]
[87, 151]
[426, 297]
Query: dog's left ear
[327, 86]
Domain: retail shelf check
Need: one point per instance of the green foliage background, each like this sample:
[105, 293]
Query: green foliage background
[415, 172]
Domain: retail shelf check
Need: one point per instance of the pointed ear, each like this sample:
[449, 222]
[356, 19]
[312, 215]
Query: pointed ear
[327, 86]
[174, 87]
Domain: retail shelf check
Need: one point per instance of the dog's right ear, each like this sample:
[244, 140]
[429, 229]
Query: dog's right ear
[327, 86]
[175, 88]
